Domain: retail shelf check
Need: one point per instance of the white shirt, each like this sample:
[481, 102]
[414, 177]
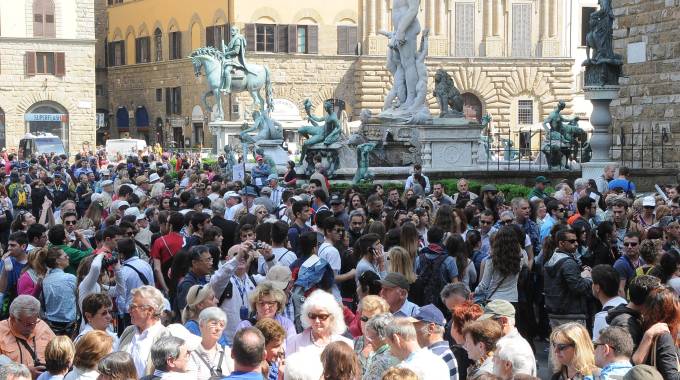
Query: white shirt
[282, 256]
[329, 253]
[87, 328]
[81, 374]
[600, 320]
[426, 365]
[200, 370]
[140, 347]
[232, 306]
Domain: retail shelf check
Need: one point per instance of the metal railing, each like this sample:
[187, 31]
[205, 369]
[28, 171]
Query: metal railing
[649, 148]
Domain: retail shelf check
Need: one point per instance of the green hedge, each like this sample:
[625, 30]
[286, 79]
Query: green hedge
[510, 190]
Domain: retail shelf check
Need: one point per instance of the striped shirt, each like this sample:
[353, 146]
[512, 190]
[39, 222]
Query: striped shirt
[442, 350]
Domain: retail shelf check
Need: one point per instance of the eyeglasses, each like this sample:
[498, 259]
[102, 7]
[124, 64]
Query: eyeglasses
[562, 346]
[27, 324]
[504, 222]
[630, 244]
[70, 222]
[485, 222]
[129, 233]
[596, 344]
[364, 319]
[572, 241]
[321, 317]
[266, 303]
[134, 306]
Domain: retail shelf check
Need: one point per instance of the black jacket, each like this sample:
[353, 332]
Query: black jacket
[566, 292]
[229, 228]
[667, 355]
[629, 319]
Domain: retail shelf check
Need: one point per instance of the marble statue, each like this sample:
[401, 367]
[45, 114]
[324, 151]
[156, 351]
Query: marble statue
[447, 95]
[603, 66]
[328, 133]
[225, 74]
[406, 100]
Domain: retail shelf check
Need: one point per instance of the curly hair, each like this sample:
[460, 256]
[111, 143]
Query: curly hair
[464, 313]
[444, 218]
[506, 254]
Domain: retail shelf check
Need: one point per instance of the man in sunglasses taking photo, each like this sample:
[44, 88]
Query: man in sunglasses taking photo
[566, 285]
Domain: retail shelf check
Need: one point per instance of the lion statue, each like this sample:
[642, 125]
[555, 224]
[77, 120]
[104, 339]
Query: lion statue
[447, 95]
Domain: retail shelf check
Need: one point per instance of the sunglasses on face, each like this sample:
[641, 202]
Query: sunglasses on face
[70, 222]
[321, 317]
[630, 244]
[562, 346]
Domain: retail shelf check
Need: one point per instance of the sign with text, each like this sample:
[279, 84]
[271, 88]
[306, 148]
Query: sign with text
[58, 117]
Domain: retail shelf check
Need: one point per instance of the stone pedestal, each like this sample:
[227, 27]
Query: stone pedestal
[331, 157]
[227, 132]
[601, 119]
[549, 47]
[273, 149]
[493, 47]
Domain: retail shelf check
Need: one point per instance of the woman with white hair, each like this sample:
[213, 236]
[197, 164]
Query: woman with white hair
[145, 310]
[199, 298]
[212, 359]
[323, 323]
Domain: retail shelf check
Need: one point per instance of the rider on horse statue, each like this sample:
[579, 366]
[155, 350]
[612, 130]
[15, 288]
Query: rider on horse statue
[235, 49]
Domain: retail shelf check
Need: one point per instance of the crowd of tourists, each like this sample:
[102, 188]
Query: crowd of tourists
[160, 266]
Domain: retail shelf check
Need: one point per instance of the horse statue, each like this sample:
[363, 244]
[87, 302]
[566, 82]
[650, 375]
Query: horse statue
[211, 61]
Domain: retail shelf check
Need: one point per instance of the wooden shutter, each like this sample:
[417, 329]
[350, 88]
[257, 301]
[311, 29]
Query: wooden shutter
[138, 50]
[30, 63]
[464, 44]
[312, 39]
[178, 100]
[250, 38]
[111, 54]
[342, 40]
[210, 36]
[352, 39]
[521, 30]
[292, 38]
[147, 49]
[49, 26]
[226, 34]
[282, 38]
[60, 64]
[168, 101]
[38, 21]
[122, 52]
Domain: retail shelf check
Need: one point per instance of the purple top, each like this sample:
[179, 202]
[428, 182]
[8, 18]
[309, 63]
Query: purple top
[286, 323]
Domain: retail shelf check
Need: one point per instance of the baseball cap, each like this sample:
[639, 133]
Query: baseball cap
[121, 204]
[336, 199]
[107, 182]
[134, 211]
[498, 308]
[643, 372]
[429, 314]
[154, 177]
[231, 194]
[279, 276]
[395, 280]
[648, 201]
[489, 187]
[258, 158]
[141, 179]
[105, 172]
[542, 179]
[273, 176]
[266, 190]
[249, 191]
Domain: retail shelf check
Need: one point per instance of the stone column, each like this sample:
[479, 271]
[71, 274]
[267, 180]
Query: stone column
[375, 44]
[601, 119]
[493, 42]
[440, 30]
[548, 43]
[435, 18]
[370, 17]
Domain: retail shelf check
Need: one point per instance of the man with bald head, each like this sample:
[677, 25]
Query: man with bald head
[248, 354]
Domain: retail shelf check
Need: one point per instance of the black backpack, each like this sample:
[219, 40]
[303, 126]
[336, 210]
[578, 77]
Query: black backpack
[430, 281]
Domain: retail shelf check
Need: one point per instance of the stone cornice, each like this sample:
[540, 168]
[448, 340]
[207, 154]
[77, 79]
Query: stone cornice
[47, 41]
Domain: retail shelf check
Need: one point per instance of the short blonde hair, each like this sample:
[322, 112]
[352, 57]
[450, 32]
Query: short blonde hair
[267, 289]
[59, 354]
[324, 300]
[92, 348]
[374, 304]
[397, 373]
[584, 353]
[152, 294]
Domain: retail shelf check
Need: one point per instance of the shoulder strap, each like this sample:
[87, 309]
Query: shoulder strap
[497, 286]
[140, 274]
[28, 348]
[226, 293]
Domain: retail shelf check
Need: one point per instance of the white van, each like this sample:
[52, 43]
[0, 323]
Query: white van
[40, 143]
[125, 147]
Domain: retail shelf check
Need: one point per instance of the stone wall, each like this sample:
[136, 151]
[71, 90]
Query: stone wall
[647, 35]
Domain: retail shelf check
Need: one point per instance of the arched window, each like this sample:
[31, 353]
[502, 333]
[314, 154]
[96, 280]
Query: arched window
[158, 43]
[472, 107]
[43, 18]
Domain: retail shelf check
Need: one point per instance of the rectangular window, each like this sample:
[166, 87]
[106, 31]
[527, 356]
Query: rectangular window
[264, 38]
[173, 100]
[464, 43]
[347, 40]
[45, 63]
[159, 94]
[175, 45]
[585, 22]
[214, 35]
[301, 39]
[143, 50]
[525, 112]
[521, 30]
[99, 90]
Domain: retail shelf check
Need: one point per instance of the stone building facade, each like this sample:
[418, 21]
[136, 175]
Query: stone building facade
[505, 56]
[646, 116]
[47, 81]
